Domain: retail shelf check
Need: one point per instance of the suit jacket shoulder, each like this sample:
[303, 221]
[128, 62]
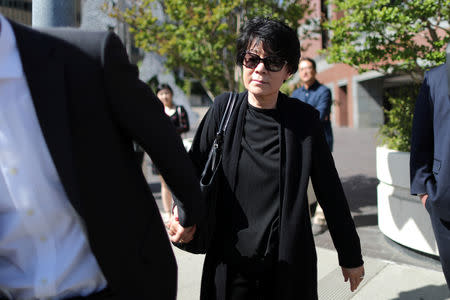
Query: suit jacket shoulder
[91, 43]
[436, 79]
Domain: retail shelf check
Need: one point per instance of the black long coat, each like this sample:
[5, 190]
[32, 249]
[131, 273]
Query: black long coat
[304, 153]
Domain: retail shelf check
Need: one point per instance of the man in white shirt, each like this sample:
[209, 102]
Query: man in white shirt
[74, 223]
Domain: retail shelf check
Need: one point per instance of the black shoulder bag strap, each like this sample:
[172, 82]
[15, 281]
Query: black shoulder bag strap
[210, 187]
[215, 154]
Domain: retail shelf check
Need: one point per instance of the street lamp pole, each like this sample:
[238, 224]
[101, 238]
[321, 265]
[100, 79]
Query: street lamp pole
[53, 13]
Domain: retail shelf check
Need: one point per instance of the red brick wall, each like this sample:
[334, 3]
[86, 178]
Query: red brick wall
[343, 102]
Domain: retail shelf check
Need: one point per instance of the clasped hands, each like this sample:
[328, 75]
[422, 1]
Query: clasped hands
[177, 233]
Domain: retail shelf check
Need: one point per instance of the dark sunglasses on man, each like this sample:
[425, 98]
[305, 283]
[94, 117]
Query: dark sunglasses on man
[271, 63]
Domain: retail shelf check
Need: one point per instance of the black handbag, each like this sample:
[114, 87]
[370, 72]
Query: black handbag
[210, 187]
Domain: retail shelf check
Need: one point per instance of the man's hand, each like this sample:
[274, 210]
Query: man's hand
[177, 233]
[356, 275]
[423, 199]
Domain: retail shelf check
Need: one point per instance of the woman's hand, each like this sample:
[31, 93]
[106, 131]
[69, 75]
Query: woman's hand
[177, 233]
[356, 275]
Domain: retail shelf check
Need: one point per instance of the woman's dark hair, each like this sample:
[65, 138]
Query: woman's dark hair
[164, 86]
[275, 37]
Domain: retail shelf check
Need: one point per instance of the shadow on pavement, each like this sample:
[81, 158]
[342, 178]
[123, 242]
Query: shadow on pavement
[365, 220]
[438, 292]
[361, 191]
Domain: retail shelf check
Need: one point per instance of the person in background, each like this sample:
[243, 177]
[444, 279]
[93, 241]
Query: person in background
[75, 224]
[263, 247]
[318, 96]
[430, 156]
[179, 119]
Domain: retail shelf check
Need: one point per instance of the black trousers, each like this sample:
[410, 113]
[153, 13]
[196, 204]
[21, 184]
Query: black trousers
[441, 230]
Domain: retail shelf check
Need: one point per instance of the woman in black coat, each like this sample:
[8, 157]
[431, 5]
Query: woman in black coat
[263, 246]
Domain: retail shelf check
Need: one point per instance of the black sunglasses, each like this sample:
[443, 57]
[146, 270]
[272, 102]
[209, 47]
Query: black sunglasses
[271, 63]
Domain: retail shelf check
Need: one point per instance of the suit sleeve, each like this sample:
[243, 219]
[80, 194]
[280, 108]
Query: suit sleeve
[331, 197]
[140, 116]
[422, 141]
[324, 104]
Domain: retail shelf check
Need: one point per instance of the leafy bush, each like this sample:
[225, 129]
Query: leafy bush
[396, 132]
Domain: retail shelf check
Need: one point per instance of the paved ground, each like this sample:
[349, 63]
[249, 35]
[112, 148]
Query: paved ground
[392, 271]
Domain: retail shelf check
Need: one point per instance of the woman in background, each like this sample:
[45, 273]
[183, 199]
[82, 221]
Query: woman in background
[179, 118]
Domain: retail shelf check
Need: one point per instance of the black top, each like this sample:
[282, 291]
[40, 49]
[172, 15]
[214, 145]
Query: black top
[255, 209]
[180, 119]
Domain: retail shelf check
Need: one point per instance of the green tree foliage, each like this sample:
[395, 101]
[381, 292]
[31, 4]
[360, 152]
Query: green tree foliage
[396, 133]
[390, 36]
[199, 35]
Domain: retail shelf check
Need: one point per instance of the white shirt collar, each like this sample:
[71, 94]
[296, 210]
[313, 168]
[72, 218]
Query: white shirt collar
[10, 63]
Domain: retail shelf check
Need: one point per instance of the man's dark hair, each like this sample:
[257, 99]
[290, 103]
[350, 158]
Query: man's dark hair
[275, 37]
[310, 60]
[164, 86]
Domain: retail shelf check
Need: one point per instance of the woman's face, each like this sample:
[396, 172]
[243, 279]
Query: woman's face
[165, 96]
[260, 82]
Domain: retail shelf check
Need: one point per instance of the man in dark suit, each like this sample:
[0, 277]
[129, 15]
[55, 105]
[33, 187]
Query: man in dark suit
[430, 156]
[77, 218]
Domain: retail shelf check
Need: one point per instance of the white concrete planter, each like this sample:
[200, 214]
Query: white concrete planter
[401, 217]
